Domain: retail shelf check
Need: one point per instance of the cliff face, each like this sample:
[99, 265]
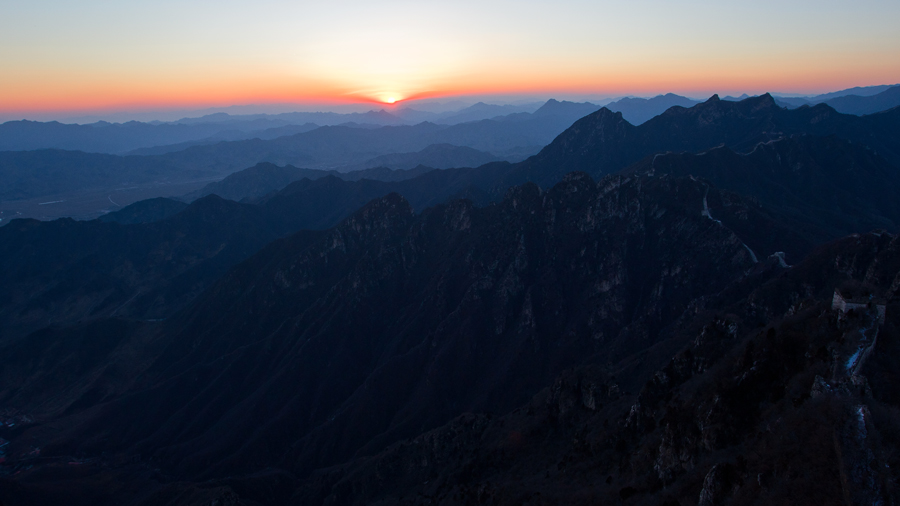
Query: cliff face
[757, 405]
[392, 324]
[682, 365]
[825, 187]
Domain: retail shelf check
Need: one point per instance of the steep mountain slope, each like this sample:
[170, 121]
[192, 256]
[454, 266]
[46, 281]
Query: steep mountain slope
[604, 142]
[815, 204]
[637, 339]
[639, 110]
[153, 257]
[325, 349]
[828, 187]
[758, 406]
[564, 108]
[598, 144]
[65, 271]
[392, 324]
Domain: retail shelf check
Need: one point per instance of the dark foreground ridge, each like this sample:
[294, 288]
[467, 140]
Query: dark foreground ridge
[676, 332]
[329, 351]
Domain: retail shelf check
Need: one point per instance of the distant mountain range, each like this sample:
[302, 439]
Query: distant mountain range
[31, 174]
[604, 142]
[639, 110]
[158, 138]
[638, 314]
[854, 104]
[264, 179]
[861, 91]
[856, 101]
[813, 188]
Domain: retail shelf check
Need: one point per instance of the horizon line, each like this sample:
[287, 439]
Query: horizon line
[96, 115]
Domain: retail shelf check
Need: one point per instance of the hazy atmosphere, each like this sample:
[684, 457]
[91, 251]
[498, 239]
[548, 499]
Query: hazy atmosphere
[455, 253]
[66, 59]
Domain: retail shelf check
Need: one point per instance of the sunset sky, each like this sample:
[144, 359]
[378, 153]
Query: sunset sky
[103, 55]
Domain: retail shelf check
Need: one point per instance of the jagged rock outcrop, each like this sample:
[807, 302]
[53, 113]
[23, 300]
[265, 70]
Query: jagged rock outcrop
[391, 324]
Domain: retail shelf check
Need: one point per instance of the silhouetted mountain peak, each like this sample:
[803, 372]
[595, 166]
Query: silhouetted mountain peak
[577, 147]
[764, 101]
[145, 211]
[639, 110]
[607, 115]
[822, 112]
[383, 215]
[717, 112]
[212, 207]
[601, 122]
[380, 114]
[555, 107]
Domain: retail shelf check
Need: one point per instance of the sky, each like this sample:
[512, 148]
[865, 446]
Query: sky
[87, 56]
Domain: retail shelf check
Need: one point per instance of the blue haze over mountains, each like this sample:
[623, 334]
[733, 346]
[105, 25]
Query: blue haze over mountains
[639, 312]
[121, 138]
[635, 314]
[44, 163]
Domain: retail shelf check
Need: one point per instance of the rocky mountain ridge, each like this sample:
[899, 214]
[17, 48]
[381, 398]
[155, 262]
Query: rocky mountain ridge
[661, 335]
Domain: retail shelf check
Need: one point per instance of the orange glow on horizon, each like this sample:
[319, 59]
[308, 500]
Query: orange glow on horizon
[42, 94]
[94, 55]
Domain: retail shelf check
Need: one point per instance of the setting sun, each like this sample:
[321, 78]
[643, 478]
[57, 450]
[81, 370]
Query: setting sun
[391, 100]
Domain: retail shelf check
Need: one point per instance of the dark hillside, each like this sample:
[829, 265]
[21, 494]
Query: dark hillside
[66, 271]
[827, 187]
[604, 143]
[756, 407]
[145, 211]
[661, 335]
[476, 297]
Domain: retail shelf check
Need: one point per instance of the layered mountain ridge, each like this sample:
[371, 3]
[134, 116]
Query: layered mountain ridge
[415, 264]
[638, 315]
